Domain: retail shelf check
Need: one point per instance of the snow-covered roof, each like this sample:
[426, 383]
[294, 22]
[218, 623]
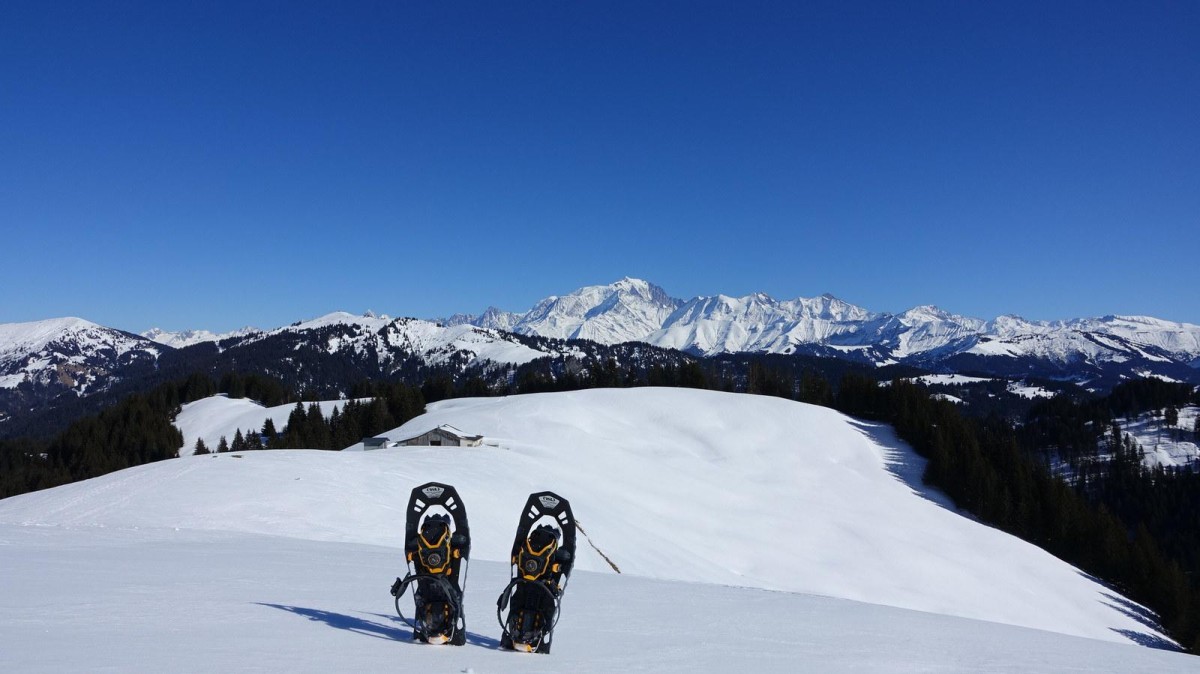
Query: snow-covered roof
[462, 435]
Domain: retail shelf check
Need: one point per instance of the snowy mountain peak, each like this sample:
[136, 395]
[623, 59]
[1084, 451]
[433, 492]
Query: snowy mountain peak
[373, 323]
[622, 311]
[46, 358]
[184, 338]
[35, 335]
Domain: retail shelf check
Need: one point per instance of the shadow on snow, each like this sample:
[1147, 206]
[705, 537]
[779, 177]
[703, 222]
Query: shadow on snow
[394, 629]
[904, 463]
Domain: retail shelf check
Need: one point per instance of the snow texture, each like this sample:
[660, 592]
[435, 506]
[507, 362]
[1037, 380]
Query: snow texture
[683, 490]
[164, 600]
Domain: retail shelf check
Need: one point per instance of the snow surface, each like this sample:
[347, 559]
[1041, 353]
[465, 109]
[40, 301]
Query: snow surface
[220, 415]
[163, 600]
[1162, 446]
[674, 484]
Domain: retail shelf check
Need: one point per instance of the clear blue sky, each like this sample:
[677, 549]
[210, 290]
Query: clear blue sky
[212, 165]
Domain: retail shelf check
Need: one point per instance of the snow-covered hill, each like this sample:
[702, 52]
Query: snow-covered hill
[219, 416]
[1162, 445]
[672, 484]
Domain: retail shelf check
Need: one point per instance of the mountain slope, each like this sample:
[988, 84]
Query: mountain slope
[65, 356]
[673, 484]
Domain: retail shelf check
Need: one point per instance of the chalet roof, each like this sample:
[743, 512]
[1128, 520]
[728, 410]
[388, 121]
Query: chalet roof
[447, 429]
[450, 430]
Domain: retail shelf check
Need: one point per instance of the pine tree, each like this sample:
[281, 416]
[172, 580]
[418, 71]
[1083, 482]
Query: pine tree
[269, 432]
[253, 441]
[239, 442]
[222, 446]
[201, 448]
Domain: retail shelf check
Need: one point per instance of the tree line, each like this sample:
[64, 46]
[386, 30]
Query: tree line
[139, 429]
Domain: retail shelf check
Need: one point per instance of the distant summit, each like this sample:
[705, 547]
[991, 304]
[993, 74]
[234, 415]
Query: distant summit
[42, 360]
[183, 338]
[634, 310]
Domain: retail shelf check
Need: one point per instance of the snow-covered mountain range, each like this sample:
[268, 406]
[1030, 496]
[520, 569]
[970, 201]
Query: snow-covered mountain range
[633, 310]
[925, 336]
[43, 360]
[185, 338]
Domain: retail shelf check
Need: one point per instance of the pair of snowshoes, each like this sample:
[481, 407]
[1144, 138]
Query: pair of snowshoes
[438, 545]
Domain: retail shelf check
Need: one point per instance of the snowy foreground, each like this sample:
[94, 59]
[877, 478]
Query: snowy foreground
[189, 601]
[750, 532]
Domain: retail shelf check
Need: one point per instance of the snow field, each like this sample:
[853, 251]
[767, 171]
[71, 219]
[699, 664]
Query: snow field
[219, 415]
[160, 600]
[674, 484]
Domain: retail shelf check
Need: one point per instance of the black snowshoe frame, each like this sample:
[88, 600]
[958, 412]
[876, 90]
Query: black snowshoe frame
[436, 567]
[547, 569]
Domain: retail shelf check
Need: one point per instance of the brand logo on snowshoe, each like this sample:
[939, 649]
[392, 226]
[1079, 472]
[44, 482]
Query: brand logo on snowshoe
[433, 492]
[549, 502]
[531, 565]
[435, 559]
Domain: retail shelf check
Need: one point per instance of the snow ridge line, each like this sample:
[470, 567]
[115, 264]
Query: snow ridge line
[598, 550]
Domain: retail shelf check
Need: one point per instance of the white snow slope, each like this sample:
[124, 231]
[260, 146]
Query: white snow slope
[216, 416]
[280, 560]
[1163, 445]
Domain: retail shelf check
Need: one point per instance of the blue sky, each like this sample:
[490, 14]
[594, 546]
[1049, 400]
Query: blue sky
[213, 165]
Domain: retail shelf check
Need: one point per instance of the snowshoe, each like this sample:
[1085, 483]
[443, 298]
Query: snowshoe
[438, 543]
[542, 556]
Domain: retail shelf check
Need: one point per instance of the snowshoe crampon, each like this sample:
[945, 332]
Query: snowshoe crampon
[543, 551]
[438, 543]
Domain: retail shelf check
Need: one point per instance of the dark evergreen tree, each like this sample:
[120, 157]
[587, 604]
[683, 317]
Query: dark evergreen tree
[269, 433]
[253, 440]
[222, 446]
[201, 448]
